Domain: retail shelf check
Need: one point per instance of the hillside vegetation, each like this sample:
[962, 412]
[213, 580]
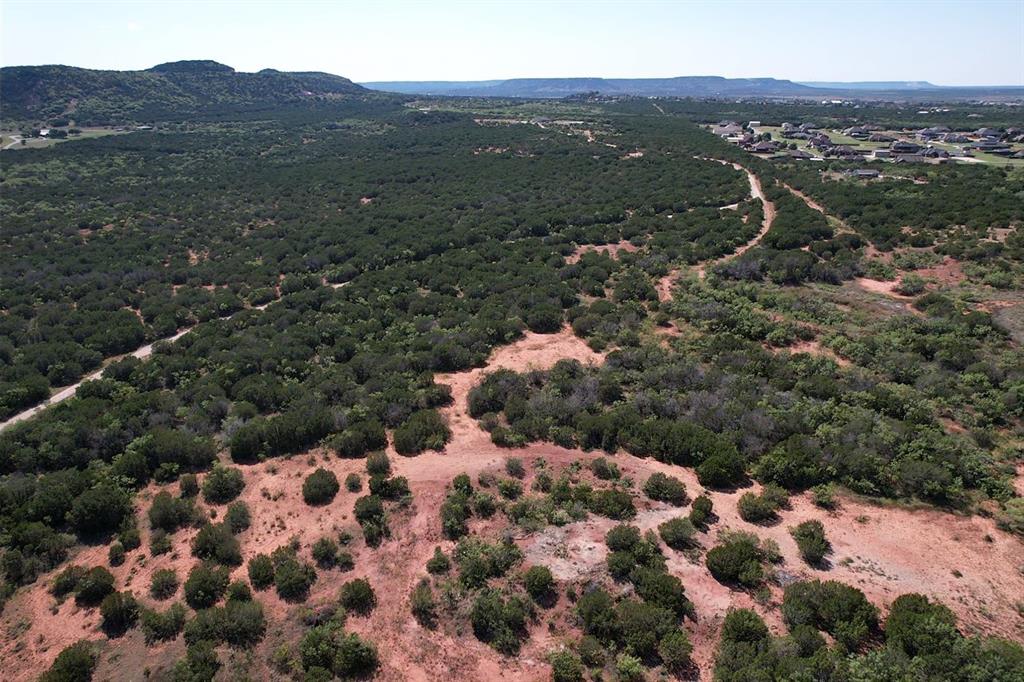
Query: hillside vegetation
[562, 390]
[176, 90]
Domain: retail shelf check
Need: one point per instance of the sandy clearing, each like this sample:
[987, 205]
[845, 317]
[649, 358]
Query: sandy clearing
[814, 347]
[877, 286]
[611, 250]
[948, 273]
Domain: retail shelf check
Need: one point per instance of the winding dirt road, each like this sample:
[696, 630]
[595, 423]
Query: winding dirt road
[664, 285]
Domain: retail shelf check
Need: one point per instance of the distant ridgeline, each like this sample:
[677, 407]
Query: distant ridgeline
[43, 94]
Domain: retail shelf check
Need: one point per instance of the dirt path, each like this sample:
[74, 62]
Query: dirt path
[812, 204]
[142, 353]
[757, 192]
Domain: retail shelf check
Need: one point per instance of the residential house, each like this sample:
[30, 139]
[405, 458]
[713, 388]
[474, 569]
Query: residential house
[904, 147]
[727, 130]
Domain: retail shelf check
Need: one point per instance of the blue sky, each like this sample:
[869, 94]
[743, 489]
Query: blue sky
[949, 43]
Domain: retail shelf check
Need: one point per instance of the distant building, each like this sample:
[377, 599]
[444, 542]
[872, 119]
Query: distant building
[879, 137]
[865, 173]
[727, 130]
[903, 147]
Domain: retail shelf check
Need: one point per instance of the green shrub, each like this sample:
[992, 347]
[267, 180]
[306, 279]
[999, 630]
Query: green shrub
[205, 585]
[94, 586]
[605, 470]
[540, 584]
[824, 496]
[67, 581]
[325, 552]
[566, 666]
[810, 539]
[238, 517]
[163, 584]
[665, 488]
[217, 543]
[377, 464]
[161, 627]
[116, 553]
[421, 601]
[614, 504]
[592, 652]
[439, 563]
[514, 467]
[75, 663]
[674, 649]
[293, 578]
[756, 509]
[736, 561]
[622, 538]
[353, 483]
[724, 469]
[222, 485]
[510, 489]
[357, 596]
[662, 589]
[596, 610]
[261, 571]
[188, 486]
[837, 608]
[239, 591]
[744, 625]
[320, 487]
[119, 612]
[678, 533]
[354, 658]
[499, 622]
[424, 430]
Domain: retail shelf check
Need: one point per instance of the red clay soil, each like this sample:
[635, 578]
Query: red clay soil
[884, 551]
[611, 249]
[946, 274]
[815, 348]
[877, 286]
[665, 284]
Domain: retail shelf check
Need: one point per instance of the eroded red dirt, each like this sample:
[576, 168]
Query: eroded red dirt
[885, 551]
[611, 249]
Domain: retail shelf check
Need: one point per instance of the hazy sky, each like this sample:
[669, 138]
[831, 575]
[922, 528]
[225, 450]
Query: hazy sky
[947, 42]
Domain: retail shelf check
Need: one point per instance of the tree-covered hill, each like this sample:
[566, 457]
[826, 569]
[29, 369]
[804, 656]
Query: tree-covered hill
[43, 94]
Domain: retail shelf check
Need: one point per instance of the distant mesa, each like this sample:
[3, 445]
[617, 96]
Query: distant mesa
[189, 89]
[193, 66]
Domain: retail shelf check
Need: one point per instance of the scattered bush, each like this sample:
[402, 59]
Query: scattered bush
[237, 517]
[205, 585]
[701, 511]
[320, 487]
[421, 601]
[119, 611]
[439, 563]
[540, 584]
[810, 539]
[163, 584]
[357, 596]
[665, 488]
[94, 586]
[678, 533]
[261, 572]
[222, 485]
